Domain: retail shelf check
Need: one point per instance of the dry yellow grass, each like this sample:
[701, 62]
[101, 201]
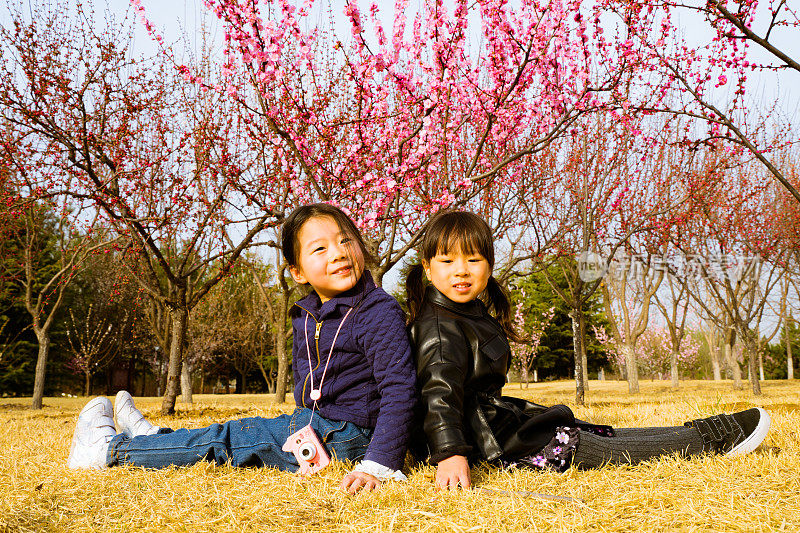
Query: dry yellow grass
[758, 492]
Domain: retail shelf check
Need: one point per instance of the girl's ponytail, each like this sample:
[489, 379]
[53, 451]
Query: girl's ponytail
[502, 309]
[415, 291]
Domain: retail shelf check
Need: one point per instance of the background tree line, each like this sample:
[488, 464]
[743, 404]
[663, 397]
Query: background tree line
[568, 138]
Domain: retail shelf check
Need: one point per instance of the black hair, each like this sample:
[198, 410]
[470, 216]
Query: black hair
[459, 230]
[290, 244]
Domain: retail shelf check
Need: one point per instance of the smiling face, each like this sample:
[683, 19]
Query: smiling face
[327, 259]
[459, 276]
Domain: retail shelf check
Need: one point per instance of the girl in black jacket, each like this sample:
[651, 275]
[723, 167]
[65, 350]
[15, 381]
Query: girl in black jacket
[459, 327]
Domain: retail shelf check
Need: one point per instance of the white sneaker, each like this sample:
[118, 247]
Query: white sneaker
[130, 420]
[93, 432]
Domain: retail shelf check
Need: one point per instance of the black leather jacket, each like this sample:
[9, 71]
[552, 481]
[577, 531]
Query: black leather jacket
[462, 357]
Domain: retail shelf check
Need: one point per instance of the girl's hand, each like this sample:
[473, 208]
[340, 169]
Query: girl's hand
[452, 471]
[355, 481]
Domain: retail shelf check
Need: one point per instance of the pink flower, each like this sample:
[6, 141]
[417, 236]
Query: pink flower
[539, 461]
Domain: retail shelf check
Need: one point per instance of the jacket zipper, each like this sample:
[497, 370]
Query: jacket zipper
[316, 344]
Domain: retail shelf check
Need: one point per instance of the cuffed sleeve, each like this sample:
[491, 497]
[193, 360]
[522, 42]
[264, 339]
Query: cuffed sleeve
[379, 471]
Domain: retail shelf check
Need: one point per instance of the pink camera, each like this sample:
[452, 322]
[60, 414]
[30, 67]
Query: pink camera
[308, 450]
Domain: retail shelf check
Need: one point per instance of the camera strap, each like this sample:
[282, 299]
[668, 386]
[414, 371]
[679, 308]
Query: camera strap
[316, 393]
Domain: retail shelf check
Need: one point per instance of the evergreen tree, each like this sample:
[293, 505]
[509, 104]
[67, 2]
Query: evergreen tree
[555, 358]
[775, 354]
[35, 232]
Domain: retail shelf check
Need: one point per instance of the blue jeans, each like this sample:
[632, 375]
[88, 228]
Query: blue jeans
[245, 442]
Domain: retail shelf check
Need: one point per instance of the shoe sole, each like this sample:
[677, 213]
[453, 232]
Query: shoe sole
[119, 399]
[756, 437]
[92, 403]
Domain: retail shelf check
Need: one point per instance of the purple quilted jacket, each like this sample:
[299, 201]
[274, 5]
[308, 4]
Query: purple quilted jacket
[371, 380]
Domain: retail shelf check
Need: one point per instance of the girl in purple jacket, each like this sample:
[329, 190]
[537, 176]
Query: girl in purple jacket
[354, 378]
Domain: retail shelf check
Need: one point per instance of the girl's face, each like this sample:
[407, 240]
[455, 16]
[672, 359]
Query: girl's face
[330, 261]
[461, 277]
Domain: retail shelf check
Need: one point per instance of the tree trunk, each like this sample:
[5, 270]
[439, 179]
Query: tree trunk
[160, 380]
[789, 362]
[736, 371]
[752, 362]
[280, 342]
[577, 342]
[761, 365]
[733, 364]
[87, 384]
[180, 322]
[283, 368]
[584, 355]
[163, 373]
[43, 336]
[673, 369]
[631, 369]
[186, 383]
[713, 354]
[264, 374]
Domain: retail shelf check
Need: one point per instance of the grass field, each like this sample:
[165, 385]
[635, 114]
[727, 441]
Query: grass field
[757, 492]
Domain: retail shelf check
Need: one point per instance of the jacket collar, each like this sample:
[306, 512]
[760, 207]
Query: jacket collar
[347, 299]
[473, 308]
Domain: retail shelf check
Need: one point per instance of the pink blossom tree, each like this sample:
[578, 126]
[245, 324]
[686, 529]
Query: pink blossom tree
[612, 183]
[691, 71]
[395, 123]
[738, 257]
[523, 355]
[166, 164]
[656, 352]
[44, 248]
[628, 292]
[94, 343]
[674, 308]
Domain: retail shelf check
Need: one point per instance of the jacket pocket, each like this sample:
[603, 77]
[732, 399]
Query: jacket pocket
[495, 348]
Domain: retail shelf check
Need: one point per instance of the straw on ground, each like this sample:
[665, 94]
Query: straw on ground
[758, 492]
